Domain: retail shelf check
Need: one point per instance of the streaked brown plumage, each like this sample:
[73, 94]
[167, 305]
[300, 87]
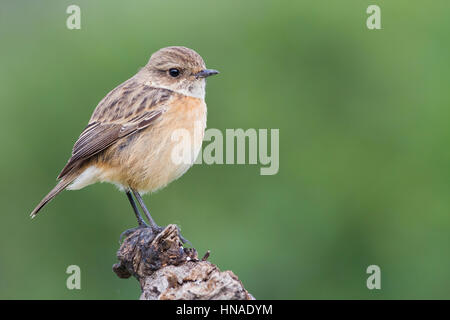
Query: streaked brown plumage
[128, 139]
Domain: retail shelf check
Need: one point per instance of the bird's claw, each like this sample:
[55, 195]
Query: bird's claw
[155, 230]
[126, 233]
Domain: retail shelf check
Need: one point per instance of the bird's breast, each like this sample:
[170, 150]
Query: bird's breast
[154, 157]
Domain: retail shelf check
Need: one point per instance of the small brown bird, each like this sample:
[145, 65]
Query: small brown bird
[128, 141]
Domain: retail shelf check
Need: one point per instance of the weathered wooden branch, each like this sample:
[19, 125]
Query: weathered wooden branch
[168, 271]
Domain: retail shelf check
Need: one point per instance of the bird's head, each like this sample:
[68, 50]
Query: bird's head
[179, 69]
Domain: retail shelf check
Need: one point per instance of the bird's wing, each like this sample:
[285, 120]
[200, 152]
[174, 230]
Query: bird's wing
[117, 115]
[99, 136]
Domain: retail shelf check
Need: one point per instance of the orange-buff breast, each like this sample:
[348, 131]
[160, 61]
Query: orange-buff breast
[144, 161]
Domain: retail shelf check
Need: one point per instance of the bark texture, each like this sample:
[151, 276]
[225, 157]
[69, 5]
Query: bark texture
[168, 271]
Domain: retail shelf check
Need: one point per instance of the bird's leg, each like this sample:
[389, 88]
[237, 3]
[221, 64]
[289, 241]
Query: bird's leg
[155, 228]
[141, 221]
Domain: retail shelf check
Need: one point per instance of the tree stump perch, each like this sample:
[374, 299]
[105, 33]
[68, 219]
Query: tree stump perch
[168, 271]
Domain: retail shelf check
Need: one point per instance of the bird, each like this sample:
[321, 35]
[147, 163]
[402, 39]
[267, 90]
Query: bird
[128, 140]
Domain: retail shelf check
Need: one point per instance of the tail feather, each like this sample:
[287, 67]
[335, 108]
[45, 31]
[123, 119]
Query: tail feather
[55, 191]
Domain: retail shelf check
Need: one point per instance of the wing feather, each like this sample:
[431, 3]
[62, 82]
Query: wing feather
[99, 136]
[130, 107]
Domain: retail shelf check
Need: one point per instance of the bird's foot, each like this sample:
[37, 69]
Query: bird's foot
[183, 239]
[157, 230]
[126, 233]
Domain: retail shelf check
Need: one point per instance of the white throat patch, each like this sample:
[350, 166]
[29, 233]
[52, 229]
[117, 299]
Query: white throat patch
[197, 91]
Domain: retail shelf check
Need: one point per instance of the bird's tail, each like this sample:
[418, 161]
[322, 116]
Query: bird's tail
[63, 183]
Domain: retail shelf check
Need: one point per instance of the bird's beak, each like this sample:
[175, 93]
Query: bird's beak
[205, 73]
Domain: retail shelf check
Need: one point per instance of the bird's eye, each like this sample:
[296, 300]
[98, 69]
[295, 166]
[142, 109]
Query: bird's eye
[174, 72]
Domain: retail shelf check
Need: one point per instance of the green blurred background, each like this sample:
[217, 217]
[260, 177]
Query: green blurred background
[364, 144]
